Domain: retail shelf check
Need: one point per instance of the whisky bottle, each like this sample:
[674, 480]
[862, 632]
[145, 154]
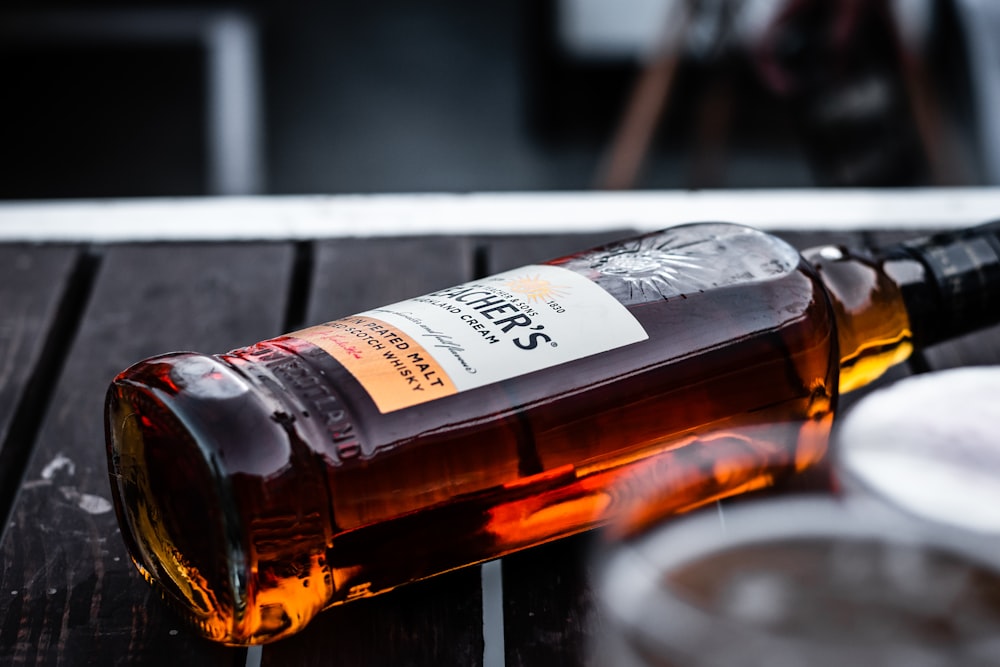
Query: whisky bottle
[258, 487]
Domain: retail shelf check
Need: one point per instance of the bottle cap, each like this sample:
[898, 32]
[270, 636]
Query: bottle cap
[222, 506]
[963, 293]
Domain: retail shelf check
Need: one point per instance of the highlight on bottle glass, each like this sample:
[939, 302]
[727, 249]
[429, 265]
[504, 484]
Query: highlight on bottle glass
[798, 581]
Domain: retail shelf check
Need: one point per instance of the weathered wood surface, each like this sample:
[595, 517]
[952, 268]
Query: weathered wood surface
[68, 594]
[37, 302]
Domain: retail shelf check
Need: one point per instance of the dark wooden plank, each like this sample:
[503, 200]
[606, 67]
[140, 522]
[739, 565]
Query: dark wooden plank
[551, 616]
[980, 348]
[32, 281]
[351, 275]
[69, 593]
[33, 284]
[434, 622]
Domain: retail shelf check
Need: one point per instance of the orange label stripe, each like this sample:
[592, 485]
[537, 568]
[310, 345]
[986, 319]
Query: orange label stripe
[395, 370]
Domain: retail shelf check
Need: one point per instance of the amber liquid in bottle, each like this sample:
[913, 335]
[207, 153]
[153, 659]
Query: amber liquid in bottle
[257, 487]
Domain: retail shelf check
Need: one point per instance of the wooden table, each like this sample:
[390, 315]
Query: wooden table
[73, 312]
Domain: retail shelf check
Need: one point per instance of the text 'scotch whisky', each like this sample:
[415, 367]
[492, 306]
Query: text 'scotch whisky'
[257, 487]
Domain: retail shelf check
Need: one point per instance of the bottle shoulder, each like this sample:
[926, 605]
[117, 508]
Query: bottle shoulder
[870, 309]
[684, 260]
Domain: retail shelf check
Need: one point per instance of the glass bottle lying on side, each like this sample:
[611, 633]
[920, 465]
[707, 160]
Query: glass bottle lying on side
[257, 487]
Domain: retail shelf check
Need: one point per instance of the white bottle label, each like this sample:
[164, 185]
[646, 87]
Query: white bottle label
[475, 334]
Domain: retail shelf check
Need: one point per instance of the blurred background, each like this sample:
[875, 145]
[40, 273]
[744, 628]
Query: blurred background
[113, 100]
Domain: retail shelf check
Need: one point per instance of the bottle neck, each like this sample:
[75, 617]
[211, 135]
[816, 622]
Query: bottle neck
[908, 296]
[872, 321]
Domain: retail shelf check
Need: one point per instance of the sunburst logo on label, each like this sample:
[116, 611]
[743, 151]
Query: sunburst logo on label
[655, 266]
[535, 288]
